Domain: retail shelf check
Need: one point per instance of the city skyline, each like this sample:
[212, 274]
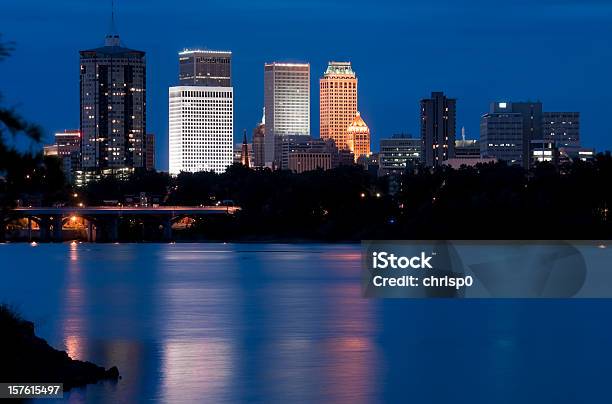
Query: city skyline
[470, 80]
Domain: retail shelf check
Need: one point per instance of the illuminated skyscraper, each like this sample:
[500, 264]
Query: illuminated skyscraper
[438, 129]
[113, 108]
[205, 68]
[358, 137]
[201, 115]
[338, 102]
[287, 102]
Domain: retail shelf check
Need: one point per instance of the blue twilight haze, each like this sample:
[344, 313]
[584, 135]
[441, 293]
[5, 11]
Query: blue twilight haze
[556, 51]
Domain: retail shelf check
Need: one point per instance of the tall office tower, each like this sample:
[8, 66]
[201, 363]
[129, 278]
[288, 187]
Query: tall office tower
[338, 102]
[501, 131]
[561, 128]
[437, 129]
[205, 68]
[399, 153]
[501, 134]
[113, 108]
[358, 137]
[150, 162]
[201, 126]
[287, 103]
[259, 133]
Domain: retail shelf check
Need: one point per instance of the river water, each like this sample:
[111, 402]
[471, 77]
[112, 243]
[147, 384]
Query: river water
[287, 323]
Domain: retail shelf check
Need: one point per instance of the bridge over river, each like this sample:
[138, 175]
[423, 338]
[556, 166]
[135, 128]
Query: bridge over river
[103, 221]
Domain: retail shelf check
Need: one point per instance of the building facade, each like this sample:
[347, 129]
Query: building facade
[561, 128]
[302, 161]
[201, 114]
[205, 68]
[338, 102]
[358, 137]
[112, 108]
[501, 134]
[438, 124]
[287, 103]
[150, 163]
[201, 128]
[259, 150]
[399, 153]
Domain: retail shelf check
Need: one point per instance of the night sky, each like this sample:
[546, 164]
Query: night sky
[556, 51]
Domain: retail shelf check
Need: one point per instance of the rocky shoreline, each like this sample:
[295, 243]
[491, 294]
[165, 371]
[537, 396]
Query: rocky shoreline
[28, 358]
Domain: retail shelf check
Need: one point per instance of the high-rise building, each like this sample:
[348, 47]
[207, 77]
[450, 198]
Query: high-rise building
[259, 151]
[501, 127]
[501, 134]
[399, 153]
[287, 103]
[438, 115]
[201, 128]
[338, 102]
[113, 108]
[201, 116]
[358, 137]
[150, 163]
[561, 128]
[205, 68]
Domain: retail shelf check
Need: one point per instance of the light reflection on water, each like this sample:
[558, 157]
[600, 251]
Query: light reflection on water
[286, 323]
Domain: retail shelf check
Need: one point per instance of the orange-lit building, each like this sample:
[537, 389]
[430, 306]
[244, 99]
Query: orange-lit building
[358, 135]
[338, 102]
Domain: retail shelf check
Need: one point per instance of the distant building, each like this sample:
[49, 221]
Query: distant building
[338, 102]
[561, 128]
[569, 154]
[113, 109]
[245, 151]
[287, 103]
[399, 153]
[205, 68]
[259, 151]
[302, 161]
[358, 137]
[150, 161]
[438, 115]
[67, 147]
[543, 151]
[201, 115]
[466, 148]
[500, 128]
[501, 134]
[201, 128]
[305, 146]
[239, 152]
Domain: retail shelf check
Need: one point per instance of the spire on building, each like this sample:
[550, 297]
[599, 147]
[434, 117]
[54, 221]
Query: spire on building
[112, 39]
[244, 158]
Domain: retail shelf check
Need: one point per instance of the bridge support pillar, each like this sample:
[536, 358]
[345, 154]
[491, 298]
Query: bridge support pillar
[57, 229]
[29, 229]
[167, 229]
[90, 232]
[45, 228]
[113, 229]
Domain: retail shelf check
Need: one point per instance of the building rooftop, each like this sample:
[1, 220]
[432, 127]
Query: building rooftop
[339, 68]
[112, 47]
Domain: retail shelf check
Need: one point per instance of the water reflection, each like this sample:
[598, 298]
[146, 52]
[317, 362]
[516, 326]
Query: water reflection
[259, 323]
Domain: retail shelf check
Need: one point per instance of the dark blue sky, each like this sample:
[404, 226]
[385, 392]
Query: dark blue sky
[557, 51]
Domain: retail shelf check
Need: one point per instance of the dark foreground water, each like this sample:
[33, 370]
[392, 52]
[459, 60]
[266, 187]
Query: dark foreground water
[287, 323]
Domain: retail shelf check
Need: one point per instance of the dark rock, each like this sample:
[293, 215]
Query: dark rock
[26, 357]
